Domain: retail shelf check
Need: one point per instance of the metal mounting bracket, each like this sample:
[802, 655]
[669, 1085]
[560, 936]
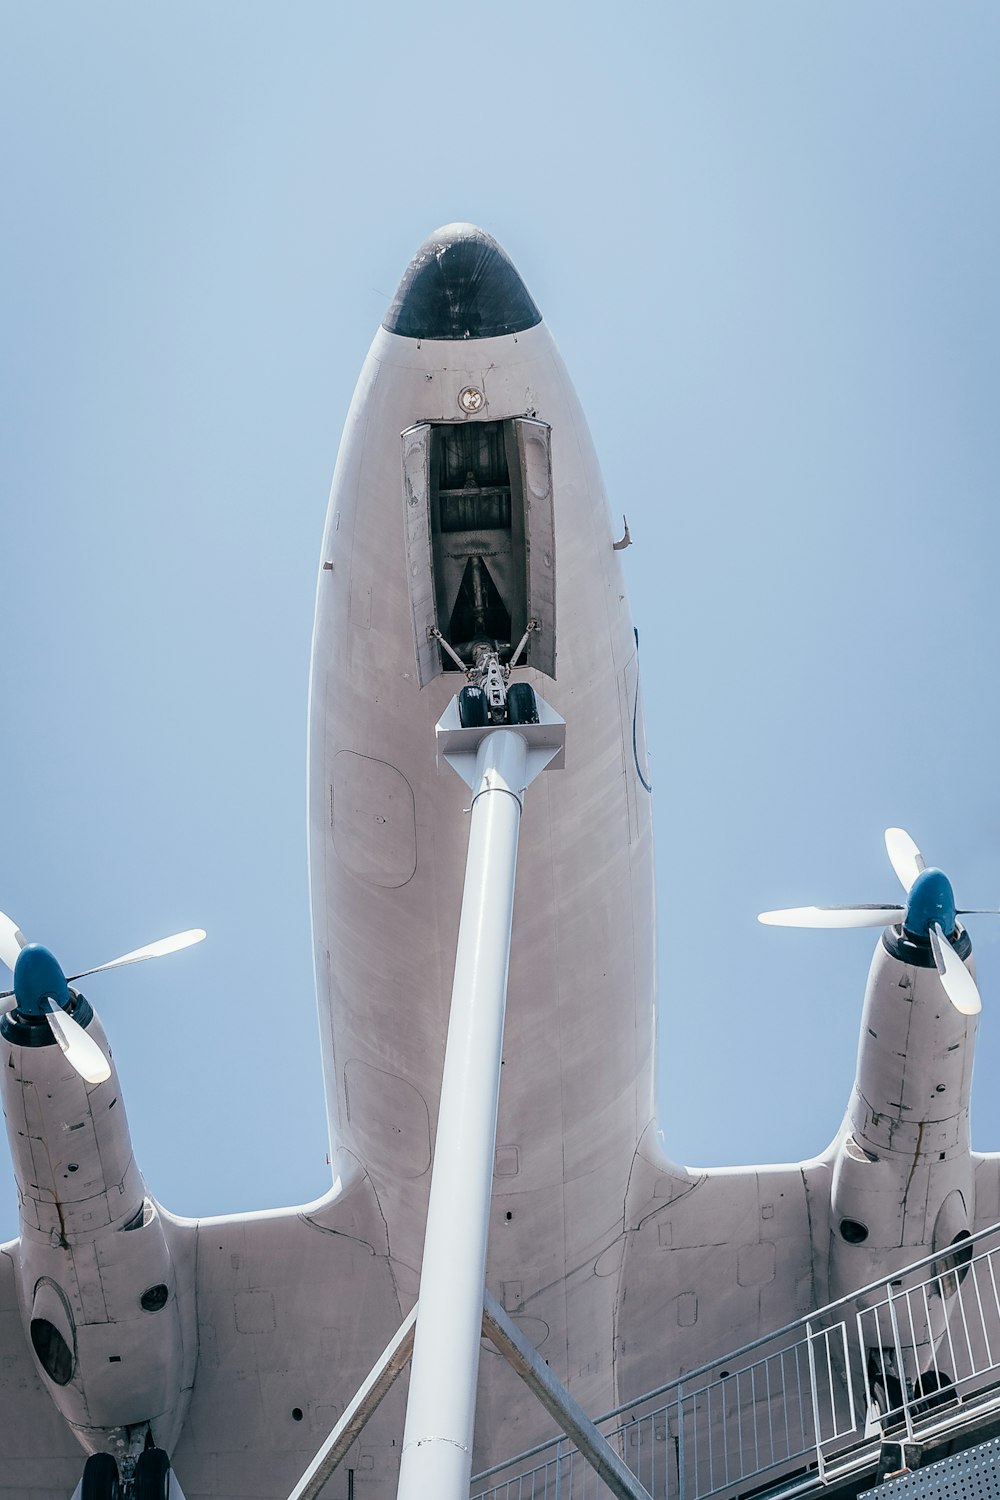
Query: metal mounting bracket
[546, 742]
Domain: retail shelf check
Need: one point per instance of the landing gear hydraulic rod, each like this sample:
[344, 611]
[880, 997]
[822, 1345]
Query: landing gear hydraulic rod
[498, 764]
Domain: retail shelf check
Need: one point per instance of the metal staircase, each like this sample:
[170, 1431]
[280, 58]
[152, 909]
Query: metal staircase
[912, 1360]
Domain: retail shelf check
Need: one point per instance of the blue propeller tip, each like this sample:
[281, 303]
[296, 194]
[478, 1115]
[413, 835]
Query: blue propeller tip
[930, 900]
[37, 977]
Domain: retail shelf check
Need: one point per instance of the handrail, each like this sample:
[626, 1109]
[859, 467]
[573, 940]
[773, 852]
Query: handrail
[806, 1325]
[810, 1317]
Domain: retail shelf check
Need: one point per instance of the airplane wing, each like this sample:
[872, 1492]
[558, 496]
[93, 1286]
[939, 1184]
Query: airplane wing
[293, 1309]
[294, 1306]
[714, 1259]
[986, 1166]
[39, 1457]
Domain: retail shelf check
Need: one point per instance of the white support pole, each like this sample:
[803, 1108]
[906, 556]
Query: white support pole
[436, 1458]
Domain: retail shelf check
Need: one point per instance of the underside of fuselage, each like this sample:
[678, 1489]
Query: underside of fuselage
[388, 827]
[468, 550]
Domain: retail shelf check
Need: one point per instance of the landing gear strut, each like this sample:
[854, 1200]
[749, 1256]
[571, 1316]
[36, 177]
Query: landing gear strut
[490, 698]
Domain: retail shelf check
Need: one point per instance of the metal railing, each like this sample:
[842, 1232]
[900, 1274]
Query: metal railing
[914, 1355]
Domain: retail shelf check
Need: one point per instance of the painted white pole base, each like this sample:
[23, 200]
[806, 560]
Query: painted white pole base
[498, 764]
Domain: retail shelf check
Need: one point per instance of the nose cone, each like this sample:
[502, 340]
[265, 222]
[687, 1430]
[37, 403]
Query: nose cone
[930, 899]
[460, 285]
[37, 975]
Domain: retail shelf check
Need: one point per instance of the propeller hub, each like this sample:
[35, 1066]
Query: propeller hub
[930, 900]
[38, 977]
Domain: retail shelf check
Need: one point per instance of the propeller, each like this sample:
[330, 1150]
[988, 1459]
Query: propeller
[81, 1051]
[833, 916]
[904, 856]
[929, 912]
[159, 949]
[42, 989]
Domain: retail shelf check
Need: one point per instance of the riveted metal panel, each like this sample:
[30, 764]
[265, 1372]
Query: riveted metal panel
[373, 819]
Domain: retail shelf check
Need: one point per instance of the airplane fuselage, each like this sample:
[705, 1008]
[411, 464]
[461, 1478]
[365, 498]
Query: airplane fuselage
[387, 851]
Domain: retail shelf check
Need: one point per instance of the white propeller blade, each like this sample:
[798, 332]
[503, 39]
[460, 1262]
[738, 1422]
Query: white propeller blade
[958, 983]
[904, 856]
[12, 940]
[151, 950]
[833, 916]
[82, 1052]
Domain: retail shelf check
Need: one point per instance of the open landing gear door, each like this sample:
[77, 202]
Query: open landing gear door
[480, 542]
[419, 566]
[534, 470]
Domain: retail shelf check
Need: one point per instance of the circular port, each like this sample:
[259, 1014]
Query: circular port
[54, 1354]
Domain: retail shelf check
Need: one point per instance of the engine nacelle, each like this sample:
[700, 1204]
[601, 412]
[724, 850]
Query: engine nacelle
[101, 1291]
[902, 1170]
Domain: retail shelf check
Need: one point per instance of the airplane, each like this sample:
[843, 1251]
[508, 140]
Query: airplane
[470, 584]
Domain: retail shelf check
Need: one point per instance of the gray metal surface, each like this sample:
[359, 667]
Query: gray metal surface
[972, 1475]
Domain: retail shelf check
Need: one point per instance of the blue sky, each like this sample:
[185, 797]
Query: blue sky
[766, 238]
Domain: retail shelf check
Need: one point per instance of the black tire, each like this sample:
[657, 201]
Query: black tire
[931, 1389]
[100, 1478]
[522, 706]
[472, 708]
[152, 1476]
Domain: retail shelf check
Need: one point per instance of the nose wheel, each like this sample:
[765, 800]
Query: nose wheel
[518, 706]
[150, 1478]
[100, 1478]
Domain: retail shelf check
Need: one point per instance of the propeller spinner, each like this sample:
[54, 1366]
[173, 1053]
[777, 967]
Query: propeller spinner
[42, 989]
[928, 913]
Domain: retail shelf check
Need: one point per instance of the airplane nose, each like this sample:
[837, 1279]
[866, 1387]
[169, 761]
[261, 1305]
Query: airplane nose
[460, 285]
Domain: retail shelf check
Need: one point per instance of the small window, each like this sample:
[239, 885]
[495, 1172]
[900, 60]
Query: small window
[154, 1297]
